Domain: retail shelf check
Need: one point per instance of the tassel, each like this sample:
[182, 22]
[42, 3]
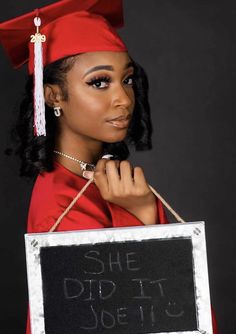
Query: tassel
[39, 102]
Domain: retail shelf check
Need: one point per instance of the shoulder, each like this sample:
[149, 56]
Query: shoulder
[49, 184]
[53, 193]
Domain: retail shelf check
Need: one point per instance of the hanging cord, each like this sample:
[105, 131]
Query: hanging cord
[53, 228]
[172, 211]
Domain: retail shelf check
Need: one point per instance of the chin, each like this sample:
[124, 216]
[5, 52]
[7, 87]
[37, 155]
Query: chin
[115, 138]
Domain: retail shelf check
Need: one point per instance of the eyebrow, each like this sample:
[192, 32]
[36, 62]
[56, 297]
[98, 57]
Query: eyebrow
[107, 67]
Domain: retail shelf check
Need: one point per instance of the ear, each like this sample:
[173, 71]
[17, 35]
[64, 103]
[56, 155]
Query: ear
[52, 95]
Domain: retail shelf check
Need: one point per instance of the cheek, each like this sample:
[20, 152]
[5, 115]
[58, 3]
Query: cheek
[131, 95]
[132, 99]
[89, 104]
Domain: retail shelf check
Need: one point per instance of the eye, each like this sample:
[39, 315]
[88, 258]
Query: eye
[129, 80]
[99, 82]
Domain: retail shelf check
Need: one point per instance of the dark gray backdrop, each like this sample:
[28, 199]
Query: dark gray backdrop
[188, 49]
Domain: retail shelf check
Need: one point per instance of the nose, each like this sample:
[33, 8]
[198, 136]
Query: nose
[123, 97]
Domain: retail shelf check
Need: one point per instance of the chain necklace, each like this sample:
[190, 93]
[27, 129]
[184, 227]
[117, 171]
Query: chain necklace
[83, 165]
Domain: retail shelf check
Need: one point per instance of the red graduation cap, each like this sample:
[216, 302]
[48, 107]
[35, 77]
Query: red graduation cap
[64, 28]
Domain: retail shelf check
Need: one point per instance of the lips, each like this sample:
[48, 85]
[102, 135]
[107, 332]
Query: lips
[120, 121]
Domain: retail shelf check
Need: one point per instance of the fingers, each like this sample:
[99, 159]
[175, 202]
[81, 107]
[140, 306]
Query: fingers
[100, 177]
[106, 175]
[87, 174]
[139, 178]
[126, 174]
[112, 172]
[119, 175]
[118, 179]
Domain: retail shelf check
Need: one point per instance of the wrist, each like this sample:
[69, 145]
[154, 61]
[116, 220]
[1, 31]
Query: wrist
[147, 214]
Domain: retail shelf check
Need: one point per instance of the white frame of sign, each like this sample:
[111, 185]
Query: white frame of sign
[193, 230]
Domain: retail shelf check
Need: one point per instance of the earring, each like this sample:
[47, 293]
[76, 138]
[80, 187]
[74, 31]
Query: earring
[57, 111]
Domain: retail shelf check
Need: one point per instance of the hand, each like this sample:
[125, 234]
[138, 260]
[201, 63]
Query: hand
[122, 185]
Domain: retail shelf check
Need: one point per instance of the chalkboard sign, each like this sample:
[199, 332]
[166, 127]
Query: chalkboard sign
[150, 279]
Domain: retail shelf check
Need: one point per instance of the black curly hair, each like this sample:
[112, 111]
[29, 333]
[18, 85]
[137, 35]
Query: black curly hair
[36, 153]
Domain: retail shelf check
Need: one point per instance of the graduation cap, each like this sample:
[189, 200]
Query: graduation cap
[64, 28]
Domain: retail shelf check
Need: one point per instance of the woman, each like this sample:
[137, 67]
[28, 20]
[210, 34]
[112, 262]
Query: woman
[96, 102]
[96, 106]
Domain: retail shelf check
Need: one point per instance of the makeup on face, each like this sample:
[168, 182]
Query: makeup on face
[101, 97]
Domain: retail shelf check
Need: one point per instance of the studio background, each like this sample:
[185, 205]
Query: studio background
[188, 49]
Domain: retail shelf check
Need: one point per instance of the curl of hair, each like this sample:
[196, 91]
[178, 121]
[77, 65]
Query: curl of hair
[36, 153]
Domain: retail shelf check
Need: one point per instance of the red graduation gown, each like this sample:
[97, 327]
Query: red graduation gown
[54, 191]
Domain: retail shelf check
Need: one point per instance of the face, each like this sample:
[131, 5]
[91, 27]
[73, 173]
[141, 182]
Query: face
[100, 97]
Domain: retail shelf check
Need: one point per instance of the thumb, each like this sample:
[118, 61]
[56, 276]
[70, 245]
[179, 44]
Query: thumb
[88, 174]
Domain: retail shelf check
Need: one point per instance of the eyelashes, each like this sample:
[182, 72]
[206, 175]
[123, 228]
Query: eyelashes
[103, 82]
[99, 82]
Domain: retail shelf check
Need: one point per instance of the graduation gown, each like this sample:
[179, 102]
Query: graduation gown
[54, 191]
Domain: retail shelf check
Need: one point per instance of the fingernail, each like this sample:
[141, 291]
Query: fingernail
[87, 174]
[107, 156]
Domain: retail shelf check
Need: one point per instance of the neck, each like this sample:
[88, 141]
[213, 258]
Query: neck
[78, 147]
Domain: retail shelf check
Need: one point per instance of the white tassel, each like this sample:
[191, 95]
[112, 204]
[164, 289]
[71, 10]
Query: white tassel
[39, 102]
